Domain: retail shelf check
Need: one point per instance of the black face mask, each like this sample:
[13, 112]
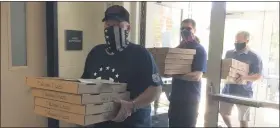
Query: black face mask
[116, 38]
[186, 33]
[239, 46]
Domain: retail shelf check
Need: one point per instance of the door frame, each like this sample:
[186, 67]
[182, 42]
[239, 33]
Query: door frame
[52, 48]
[0, 47]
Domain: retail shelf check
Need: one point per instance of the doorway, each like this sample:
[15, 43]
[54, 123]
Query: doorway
[261, 22]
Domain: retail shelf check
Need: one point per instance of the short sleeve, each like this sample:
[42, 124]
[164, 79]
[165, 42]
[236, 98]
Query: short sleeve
[257, 66]
[149, 70]
[200, 60]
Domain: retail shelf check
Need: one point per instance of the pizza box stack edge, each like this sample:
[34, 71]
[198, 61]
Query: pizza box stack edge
[172, 61]
[78, 101]
[231, 68]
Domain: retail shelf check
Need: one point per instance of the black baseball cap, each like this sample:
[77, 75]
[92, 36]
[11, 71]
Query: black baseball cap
[116, 12]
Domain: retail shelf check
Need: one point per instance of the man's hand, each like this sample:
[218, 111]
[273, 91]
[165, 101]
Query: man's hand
[252, 78]
[124, 111]
[240, 78]
[195, 76]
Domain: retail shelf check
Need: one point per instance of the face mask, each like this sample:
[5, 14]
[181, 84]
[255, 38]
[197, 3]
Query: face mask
[116, 38]
[187, 34]
[239, 46]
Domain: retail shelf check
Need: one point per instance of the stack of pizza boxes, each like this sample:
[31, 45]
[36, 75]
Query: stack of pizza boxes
[172, 61]
[232, 69]
[78, 101]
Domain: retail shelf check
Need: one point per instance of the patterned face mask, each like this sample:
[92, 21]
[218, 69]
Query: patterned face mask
[116, 39]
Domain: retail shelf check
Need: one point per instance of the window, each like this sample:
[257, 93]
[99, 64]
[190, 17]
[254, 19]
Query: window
[274, 50]
[18, 34]
[162, 25]
[202, 19]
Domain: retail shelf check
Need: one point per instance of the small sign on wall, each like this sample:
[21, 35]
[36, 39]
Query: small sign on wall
[74, 40]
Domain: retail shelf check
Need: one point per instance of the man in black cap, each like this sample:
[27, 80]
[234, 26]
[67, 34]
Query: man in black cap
[122, 61]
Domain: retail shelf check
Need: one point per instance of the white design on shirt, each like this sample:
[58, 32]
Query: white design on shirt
[108, 73]
[156, 78]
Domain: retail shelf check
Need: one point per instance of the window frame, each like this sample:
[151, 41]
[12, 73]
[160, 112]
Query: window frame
[9, 31]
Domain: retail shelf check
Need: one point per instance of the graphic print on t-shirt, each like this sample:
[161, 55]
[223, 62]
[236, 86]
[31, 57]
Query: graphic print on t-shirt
[106, 73]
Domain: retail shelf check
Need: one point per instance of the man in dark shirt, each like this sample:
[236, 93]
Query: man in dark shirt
[121, 61]
[185, 94]
[242, 53]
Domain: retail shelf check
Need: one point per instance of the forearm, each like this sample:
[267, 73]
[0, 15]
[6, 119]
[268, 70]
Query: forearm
[148, 96]
[192, 76]
[253, 77]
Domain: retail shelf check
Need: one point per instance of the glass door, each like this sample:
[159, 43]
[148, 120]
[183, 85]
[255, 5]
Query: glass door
[163, 24]
[268, 89]
[263, 25]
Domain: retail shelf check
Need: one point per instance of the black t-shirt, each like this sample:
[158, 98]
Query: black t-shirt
[134, 66]
[189, 91]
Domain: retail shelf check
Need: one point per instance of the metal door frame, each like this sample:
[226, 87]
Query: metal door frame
[52, 48]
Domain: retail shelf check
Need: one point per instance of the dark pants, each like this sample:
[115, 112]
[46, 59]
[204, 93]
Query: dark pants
[183, 114]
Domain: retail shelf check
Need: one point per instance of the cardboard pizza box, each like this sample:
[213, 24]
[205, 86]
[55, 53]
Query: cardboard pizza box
[173, 56]
[170, 69]
[161, 61]
[75, 86]
[79, 119]
[178, 61]
[243, 67]
[161, 54]
[227, 63]
[79, 98]
[176, 72]
[226, 74]
[166, 50]
[174, 61]
[87, 109]
[177, 67]
[232, 73]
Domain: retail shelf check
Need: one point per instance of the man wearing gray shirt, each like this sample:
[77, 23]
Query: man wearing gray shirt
[244, 54]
